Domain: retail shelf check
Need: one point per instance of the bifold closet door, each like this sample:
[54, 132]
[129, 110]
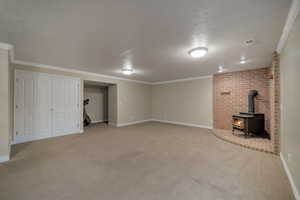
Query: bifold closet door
[24, 104]
[42, 106]
[65, 101]
[45, 105]
[32, 106]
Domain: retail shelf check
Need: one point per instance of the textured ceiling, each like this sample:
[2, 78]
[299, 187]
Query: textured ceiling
[153, 36]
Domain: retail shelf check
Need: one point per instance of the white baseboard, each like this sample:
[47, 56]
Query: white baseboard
[132, 123]
[112, 123]
[182, 123]
[99, 121]
[162, 121]
[4, 159]
[290, 177]
[23, 140]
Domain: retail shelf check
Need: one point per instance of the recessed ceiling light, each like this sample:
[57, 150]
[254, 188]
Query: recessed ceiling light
[198, 52]
[127, 71]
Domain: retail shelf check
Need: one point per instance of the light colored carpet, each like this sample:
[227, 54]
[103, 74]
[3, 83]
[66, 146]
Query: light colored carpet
[150, 161]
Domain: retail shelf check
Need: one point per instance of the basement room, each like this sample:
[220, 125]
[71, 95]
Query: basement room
[150, 100]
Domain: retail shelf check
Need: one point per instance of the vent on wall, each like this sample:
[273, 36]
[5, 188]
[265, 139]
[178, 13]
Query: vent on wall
[226, 93]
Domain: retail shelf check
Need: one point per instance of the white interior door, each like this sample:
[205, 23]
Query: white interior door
[24, 104]
[42, 106]
[65, 102]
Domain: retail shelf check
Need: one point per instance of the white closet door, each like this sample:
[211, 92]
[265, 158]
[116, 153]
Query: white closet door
[43, 106]
[24, 104]
[65, 102]
[46, 106]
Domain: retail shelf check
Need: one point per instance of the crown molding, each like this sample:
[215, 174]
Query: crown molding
[25, 63]
[6, 46]
[10, 48]
[293, 13]
[50, 67]
[182, 80]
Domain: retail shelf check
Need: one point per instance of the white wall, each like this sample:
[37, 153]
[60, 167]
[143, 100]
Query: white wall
[97, 108]
[290, 102]
[188, 102]
[134, 102]
[113, 105]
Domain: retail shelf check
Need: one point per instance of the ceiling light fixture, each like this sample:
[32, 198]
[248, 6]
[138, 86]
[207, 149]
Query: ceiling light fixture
[198, 52]
[221, 69]
[127, 71]
[243, 60]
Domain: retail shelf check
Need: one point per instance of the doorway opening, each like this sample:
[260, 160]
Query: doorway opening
[99, 103]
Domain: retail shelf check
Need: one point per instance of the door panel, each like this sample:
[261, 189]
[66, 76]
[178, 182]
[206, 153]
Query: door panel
[24, 103]
[65, 100]
[42, 108]
[58, 104]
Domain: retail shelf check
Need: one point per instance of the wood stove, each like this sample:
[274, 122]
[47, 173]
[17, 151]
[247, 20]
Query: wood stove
[250, 122]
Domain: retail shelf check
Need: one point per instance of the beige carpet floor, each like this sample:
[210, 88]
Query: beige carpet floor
[150, 161]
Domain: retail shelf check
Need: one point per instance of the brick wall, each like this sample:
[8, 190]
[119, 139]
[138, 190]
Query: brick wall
[231, 95]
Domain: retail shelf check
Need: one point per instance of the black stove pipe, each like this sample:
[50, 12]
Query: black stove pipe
[251, 95]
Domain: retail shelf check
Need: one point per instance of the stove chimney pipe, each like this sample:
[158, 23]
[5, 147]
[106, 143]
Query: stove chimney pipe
[251, 95]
